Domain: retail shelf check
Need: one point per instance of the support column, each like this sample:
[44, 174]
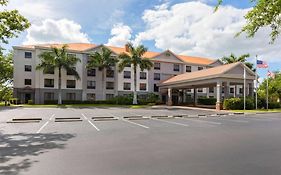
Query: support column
[194, 96]
[226, 90]
[235, 91]
[219, 103]
[169, 102]
[251, 89]
[180, 96]
[184, 96]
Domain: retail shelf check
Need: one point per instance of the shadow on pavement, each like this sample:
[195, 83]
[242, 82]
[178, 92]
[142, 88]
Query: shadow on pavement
[17, 149]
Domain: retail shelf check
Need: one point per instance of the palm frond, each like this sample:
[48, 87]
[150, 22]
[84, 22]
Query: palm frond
[145, 64]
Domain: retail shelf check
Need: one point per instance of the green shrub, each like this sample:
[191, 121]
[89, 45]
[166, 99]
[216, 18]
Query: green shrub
[148, 98]
[206, 101]
[30, 102]
[238, 103]
[274, 105]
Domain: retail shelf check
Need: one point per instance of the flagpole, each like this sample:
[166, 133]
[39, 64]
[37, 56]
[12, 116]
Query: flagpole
[267, 89]
[256, 82]
[244, 87]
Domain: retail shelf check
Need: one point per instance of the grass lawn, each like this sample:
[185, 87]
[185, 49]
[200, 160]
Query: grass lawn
[256, 111]
[81, 105]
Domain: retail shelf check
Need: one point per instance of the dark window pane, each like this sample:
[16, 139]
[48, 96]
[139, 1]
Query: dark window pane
[70, 84]
[157, 66]
[109, 85]
[91, 72]
[109, 96]
[27, 54]
[70, 72]
[91, 84]
[188, 68]
[27, 81]
[200, 68]
[127, 86]
[176, 67]
[156, 76]
[91, 97]
[143, 75]
[27, 68]
[109, 73]
[156, 88]
[127, 74]
[143, 86]
[48, 82]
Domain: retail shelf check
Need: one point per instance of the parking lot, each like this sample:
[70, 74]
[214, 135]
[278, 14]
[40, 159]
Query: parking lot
[123, 141]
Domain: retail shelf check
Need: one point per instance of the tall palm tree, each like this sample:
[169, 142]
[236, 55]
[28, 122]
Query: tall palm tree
[233, 59]
[103, 60]
[135, 58]
[59, 59]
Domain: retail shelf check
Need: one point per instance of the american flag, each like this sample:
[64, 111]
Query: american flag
[261, 64]
[271, 74]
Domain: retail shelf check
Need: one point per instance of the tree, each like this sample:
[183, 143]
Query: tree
[265, 13]
[274, 88]
[11, 23]
[6, 94]
[6, 68]
[103, 60]
[233, 59]
[135, 58]
[59, 59]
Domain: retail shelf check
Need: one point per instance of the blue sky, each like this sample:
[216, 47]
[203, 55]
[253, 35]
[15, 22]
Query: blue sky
[185, 27]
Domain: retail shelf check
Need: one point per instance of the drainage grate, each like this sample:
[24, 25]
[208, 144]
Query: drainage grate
[25, 120]
[68, 119]
[109, 118]
[136, 117]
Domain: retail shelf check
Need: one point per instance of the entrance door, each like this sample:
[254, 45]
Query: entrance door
[27, 97]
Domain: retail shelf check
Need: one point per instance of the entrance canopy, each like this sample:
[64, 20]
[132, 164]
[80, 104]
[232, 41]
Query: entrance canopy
[225, 75]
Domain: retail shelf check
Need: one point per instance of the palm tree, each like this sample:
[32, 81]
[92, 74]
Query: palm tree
[135, 58]
[233, 59]
[59, 59]
[103, 60]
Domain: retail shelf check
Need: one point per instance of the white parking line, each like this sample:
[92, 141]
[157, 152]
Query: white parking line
[235, 120]
[202, 121]
[90, 122]
[135, 123]
[176, 123]
[40, 129]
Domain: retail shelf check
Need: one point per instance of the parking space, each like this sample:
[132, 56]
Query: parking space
[108, 141]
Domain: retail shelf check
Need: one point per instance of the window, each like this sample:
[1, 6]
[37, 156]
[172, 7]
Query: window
[91, 72]
[70, 72]
[156, 76]
[127, 74]
[70, 84]
[109, 96]
[143, 86]
[109, 73]
[88, 58]
[49, 96]
[231, 90]
[176, 67]
[156, 88]
[27, 81]
[200, 68]
[27, 54]
[27, 68]
[211, 90]
[91, 96]
[109, 85]
[91, 84]
[48, 82]
[70, 96]
[188, 68]
[240, 90]
[48, 71]
[188, 90]
[199, 90]
[127, 86]
[157, 66]
[142, 75]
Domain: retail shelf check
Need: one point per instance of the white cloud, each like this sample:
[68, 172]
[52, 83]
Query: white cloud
[193, 28]
[55, 31]
[121, 34]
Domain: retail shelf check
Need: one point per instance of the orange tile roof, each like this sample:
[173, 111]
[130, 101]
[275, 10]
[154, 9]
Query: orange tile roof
[119, 50]
[71, 46]
[211, 72]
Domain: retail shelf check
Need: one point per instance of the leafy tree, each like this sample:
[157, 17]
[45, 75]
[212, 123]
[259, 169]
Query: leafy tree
[11, 23]
[103, 60]
[135, 58]
[274, 88]
[59, 59]
[233, 59]
[265, 13]
[6, 94]
[6, 68]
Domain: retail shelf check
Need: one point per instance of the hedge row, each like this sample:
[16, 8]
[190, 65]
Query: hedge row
[238, 104]
[206, 101]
